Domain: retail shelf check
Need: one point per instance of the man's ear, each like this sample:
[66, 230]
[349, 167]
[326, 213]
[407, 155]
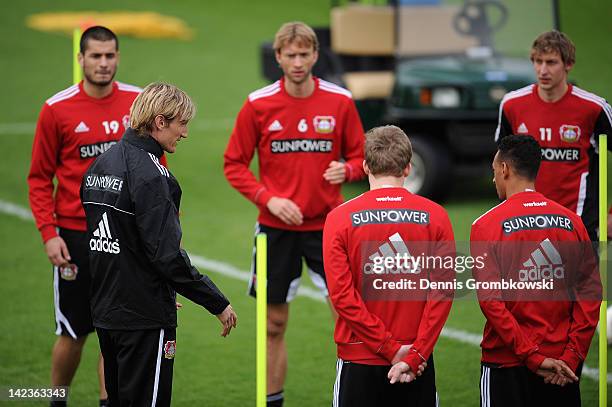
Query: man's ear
[407, 170]
[505, 169]
[80, 58]
[160, 122]
[366, 169]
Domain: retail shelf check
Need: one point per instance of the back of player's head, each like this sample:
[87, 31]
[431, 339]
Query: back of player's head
[523, 153]
[160, 98]
[387, 151]
[97, 33]
[295, 32]
[556, 42]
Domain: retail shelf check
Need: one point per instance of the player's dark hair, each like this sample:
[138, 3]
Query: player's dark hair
[523, 153]
[97, 33]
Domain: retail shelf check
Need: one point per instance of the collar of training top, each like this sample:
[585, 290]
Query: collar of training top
[146, 143]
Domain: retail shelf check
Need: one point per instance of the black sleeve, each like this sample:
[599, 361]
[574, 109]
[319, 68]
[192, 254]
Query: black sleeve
[159, 230]
[503, 126]
[603, 125]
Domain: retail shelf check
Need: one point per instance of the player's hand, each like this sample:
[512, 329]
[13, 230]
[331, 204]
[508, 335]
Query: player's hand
[228, 319]
[556, 372]
[286, 210]
[335, 173]
[401, 353]
[400, 372]
[57, 251]
[179, 305]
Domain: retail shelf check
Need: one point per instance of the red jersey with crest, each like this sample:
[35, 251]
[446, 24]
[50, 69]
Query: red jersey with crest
[568, 132]
[73, 129]
[372, 322]
[529, 238]
[295, 140]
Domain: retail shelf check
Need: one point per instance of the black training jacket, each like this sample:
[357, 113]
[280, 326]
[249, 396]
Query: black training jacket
[131, 204]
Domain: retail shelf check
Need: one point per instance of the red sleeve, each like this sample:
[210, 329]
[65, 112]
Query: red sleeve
[439, 301]
[585, 311]
[346, 299]
[353, 144]
[238, 156]
[45, 154]
[494, 309]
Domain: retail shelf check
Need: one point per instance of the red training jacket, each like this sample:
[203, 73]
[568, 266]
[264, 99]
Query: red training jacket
[295, 139]
[382, 223]
[530, 235]
[568, 132]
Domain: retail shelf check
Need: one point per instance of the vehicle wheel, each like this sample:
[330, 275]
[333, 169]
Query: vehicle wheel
[430, 175]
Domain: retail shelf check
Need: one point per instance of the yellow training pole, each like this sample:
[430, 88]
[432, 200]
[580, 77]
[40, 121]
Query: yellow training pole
[603, 238]
[76, 68]
[262, 303]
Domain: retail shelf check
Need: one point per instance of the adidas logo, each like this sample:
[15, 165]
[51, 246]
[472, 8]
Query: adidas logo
[275, 126]
[522, 129]
[104, 242]
[384, 260]
[81, 128]
[544, 263]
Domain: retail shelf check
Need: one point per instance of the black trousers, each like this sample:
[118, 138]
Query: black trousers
[138, 366]
[360, 385]
[520, 387]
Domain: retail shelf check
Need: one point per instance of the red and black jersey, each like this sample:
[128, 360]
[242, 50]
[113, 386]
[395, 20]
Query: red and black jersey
[384, 223]
[295, 140]
[530, 238]
[567, 131]
[72, 130]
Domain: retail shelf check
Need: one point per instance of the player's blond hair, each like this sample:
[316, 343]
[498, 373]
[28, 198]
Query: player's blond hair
[387, 151]
[295, 32]
[160, 98]
[556, 42]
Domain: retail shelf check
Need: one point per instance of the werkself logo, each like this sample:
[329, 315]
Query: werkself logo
[544, 263]
[103, 240]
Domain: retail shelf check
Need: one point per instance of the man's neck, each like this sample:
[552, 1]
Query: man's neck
[554, 94]
[519, 186]
[300, 90]
[385, 181]
[95, 91]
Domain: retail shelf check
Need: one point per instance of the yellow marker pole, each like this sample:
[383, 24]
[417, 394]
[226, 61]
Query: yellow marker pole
[262, 303]
[76, 68]
[603, 238]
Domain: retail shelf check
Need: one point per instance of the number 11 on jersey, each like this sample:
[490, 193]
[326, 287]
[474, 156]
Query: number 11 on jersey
[545, 134]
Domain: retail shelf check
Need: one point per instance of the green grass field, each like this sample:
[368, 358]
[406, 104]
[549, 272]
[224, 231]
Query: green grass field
[218, 69]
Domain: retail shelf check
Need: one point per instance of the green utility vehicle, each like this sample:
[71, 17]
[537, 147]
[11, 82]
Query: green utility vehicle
[439, 71]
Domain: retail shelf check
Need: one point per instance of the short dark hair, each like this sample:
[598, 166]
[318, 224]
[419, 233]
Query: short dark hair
[97, 33]
[523, 153]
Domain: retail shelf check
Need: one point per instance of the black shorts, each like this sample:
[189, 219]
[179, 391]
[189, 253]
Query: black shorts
[286, 248]
[360, 385]
[71, 289]
[520, 387]
[138, 366]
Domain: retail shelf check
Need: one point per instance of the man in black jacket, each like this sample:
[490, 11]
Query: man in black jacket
[131, 204]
